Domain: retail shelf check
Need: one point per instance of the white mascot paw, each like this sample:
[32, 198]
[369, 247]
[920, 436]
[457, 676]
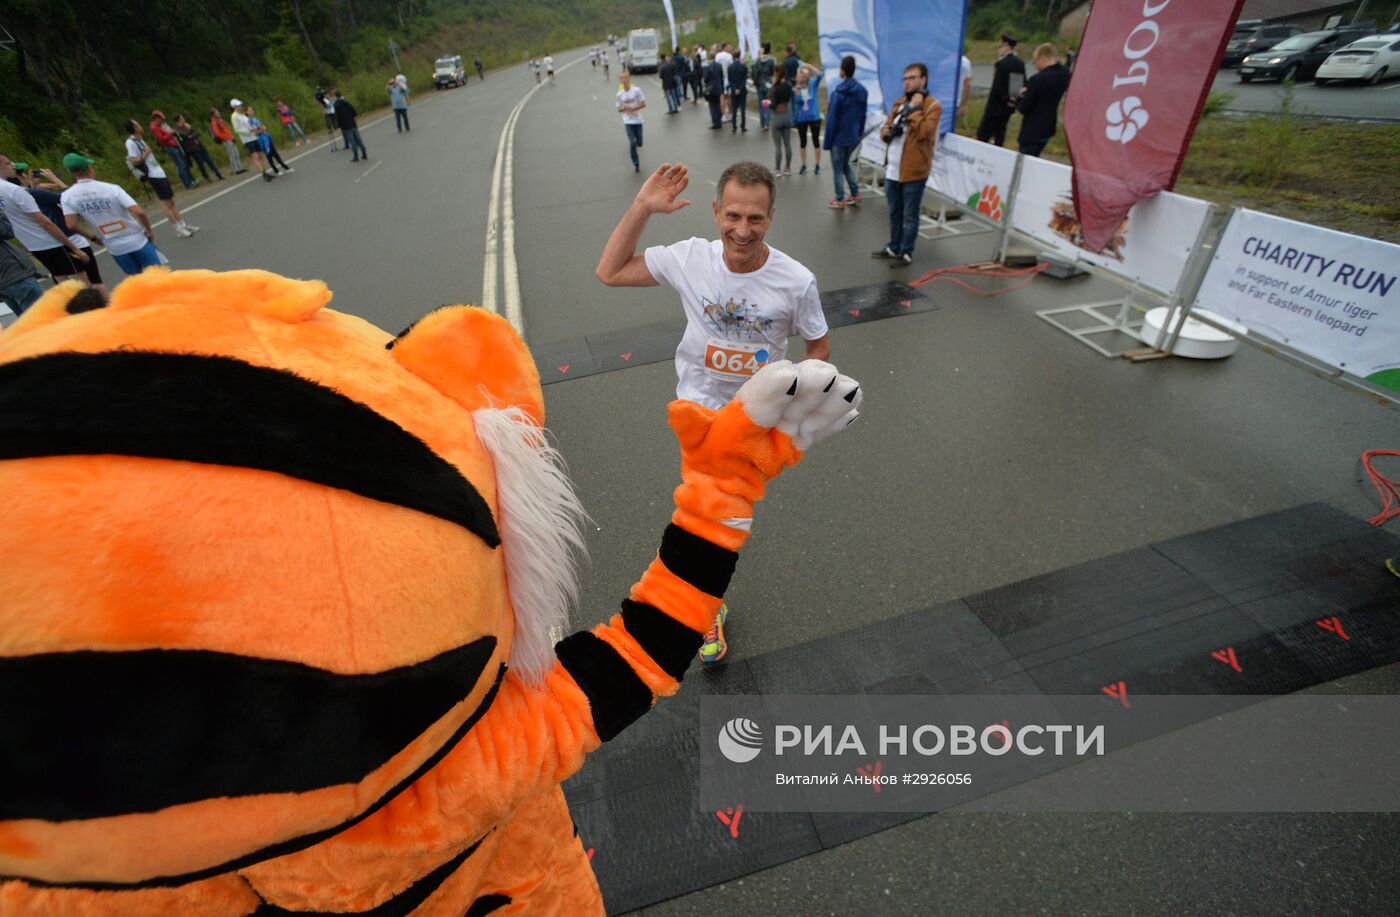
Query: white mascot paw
[808, 401]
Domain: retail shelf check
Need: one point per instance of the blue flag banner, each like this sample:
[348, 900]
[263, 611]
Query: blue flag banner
[888, 35]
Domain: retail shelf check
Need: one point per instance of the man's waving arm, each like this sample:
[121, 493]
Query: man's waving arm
[622, 265]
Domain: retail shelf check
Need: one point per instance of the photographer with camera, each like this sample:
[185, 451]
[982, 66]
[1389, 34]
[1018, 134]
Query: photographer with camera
[910, 131]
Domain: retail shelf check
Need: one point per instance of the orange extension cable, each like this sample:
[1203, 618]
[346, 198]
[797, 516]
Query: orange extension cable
[1387, 488]
[983, 269]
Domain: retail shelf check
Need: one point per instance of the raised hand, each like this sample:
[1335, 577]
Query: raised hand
[658, 194]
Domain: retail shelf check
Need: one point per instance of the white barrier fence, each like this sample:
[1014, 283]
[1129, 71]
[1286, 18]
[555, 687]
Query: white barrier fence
[1326, 299]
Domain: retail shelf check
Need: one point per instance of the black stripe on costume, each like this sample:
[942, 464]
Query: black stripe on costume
[401, 904]
[487, 904]
[297, 843]
[615, 694]
[703, 564]
[668, 641]
[98, 734]
[221, 411]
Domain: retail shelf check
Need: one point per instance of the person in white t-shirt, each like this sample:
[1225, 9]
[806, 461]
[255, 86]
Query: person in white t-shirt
[724, 57]
[549, 66]
[57, 251]
[742, 298]
[142, 162]
[965, 90]
[630, 102]
[112, 213]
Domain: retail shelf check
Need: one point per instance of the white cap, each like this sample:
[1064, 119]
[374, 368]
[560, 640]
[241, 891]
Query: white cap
[235, 103]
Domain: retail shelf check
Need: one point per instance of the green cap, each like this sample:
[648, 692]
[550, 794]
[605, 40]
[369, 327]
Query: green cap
[20, 166]
[76, 162]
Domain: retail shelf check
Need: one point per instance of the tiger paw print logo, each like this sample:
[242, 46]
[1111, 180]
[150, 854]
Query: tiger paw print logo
[1125, 119]
[987, 202]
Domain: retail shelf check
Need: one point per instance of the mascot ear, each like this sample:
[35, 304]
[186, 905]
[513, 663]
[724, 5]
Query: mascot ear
[473, 357]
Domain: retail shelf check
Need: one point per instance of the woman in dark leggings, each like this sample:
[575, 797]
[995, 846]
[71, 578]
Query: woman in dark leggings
[780, 107]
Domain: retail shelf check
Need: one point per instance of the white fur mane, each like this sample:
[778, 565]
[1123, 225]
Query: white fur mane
[541, 526]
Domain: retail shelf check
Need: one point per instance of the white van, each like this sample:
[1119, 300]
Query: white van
[642, 45]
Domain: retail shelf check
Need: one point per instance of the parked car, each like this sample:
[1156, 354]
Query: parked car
[449, 71]
[1297, 58]
[1370, 59]
[1253, 35]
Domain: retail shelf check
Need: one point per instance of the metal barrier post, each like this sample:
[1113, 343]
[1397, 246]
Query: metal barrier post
[1009, 210]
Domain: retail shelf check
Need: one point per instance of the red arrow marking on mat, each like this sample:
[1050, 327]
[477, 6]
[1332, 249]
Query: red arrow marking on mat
[564, 368]
[872, 771]
[626, 356]
[731, 819]
[906, 303]
[1332, 625]
[1119, 691]
[590, 854]
[1227, 656]
[855, 312]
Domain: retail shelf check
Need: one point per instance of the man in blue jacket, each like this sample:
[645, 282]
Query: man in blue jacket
[845, 122]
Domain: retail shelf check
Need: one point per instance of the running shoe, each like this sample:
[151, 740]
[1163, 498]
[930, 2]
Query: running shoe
[288, 169]
[803, 170]
[837, 204]
[714, 647]
[182, 232]
[853, 201]
[191, 227]
[885, 252]
[902, 260]
[817, 170]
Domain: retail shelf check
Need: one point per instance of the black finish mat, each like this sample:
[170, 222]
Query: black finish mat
[1269, 605]
[655, 343]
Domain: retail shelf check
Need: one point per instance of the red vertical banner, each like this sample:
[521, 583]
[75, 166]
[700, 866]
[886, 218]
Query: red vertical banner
[1142, 76]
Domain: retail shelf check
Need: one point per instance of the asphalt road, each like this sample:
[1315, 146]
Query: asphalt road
[992, 448]
[1352, 101]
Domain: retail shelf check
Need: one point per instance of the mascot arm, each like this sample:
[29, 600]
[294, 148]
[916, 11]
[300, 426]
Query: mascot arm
[609, 676]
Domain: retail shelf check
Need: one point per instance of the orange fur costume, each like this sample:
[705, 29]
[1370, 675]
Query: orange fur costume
[256, 621]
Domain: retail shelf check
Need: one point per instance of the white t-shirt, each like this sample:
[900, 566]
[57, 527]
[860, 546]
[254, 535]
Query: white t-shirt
[631, 97]
[244, 130]
[735, 323]
[895, 153]
[136, 148]
[18, 204]
[724, 59]
[105, 208]
[703, 56]
[964, 75]
[548, 62]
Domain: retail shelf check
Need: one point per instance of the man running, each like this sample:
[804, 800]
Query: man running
[630, 102]
[742, 298]
[549, 66]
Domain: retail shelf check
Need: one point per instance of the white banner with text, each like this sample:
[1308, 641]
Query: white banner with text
[1324, 293]
[976, 175]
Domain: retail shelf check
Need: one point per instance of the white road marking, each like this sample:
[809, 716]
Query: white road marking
[377, 164]
[500, 226]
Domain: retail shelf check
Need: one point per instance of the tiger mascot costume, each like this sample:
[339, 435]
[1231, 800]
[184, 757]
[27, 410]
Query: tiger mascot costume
[281, 597]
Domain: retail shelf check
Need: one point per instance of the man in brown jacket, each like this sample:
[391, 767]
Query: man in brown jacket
[910, 130]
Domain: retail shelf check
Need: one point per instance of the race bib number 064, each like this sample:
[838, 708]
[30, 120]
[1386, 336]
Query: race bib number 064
[732, 359]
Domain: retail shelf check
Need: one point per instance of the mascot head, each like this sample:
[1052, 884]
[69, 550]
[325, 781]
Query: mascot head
[221, 498]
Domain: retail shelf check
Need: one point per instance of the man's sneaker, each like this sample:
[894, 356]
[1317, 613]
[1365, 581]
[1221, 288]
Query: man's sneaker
[191, 227]
[817, 170]
[853, 201]
[288, 169]
[903, 260]
[836, 203]
[714, 647]
[803, 170]
[182, 232]
[885, 252]
[269, 176]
